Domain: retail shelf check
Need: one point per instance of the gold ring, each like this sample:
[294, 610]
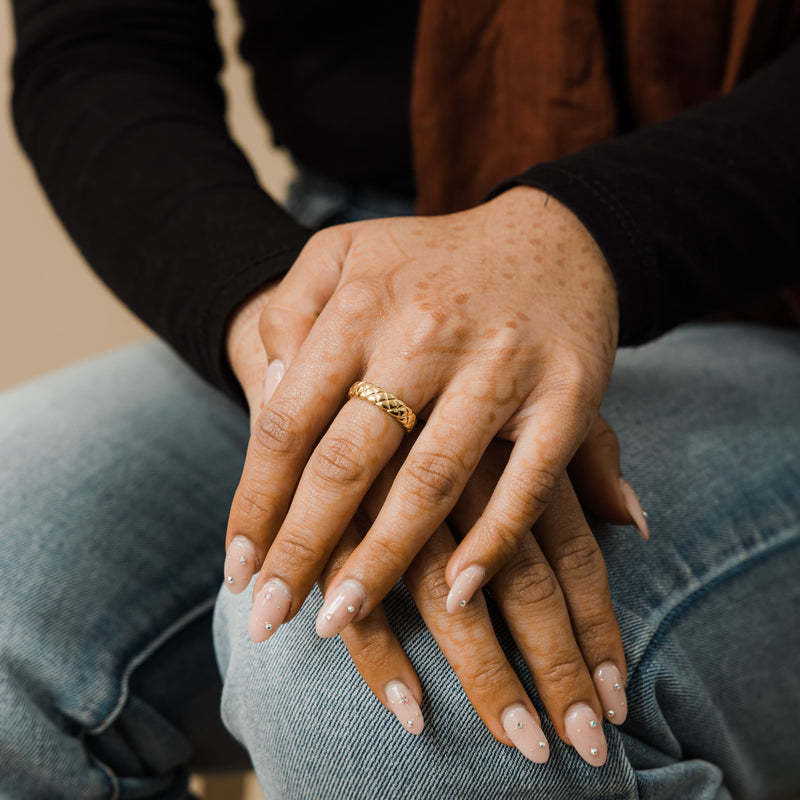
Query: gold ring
[391, 404]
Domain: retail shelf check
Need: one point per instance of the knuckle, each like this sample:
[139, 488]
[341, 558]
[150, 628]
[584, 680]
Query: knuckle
[338, 462]
[562, 671]
[579, 558]
[484, 678]
[434, 585]
[276, 431]
[354, 299]
[434, 478]
[596, 631]
[297, 552]
[250, 504]
[369, 646]
[503, 538]
[533, 582]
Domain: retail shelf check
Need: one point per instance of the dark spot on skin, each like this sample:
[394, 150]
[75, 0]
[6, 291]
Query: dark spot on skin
[511, 324]
[451, 248]
[334, 378]
[431, 243]
[574, 327]
[538, 278]
[582, 267]
[439, 315]
[513, 260]
[430, 274]
[462, 298]
[560, 262]
[561, 247]
[422, 285]
[585, 284]
[590, 315]
[508, 276]
[460, 334]
[523, 317]
[459, 227]
[539, 258]
[535, 242]
[491, 417]
[491, 333]
[511, 225]
[562, 283]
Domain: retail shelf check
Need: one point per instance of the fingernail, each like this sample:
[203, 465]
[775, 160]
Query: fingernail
[241, 562]
[464, 587]
[341, 606]
[585, 732]
[525, 733]
[270, 608]
[635, 508]
[405, 707]
[273, 376]
[611, 691]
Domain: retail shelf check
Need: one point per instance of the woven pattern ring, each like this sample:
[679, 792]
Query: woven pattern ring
[390, 403]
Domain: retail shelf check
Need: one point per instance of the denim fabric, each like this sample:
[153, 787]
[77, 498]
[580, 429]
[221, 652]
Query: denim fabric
[116, 477]
[709, 422]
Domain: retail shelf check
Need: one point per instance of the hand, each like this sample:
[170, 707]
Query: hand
[553, 594]
[500, 320]
[540, 607]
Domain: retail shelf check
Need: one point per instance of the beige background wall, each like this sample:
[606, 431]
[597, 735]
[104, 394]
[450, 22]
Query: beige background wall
[53, 309]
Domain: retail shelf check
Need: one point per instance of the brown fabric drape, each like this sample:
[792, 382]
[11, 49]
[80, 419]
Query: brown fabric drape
[500, 85]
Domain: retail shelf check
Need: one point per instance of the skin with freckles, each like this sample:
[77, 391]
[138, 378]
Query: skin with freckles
[573, 631]
[499, 321]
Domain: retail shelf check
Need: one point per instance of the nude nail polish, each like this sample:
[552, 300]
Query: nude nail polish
[273, 376]
[241, 563]
[270, 607]
[526, 734]
[340, 608]
[464, 587]
[405, 707]
[635, 508]
[611, 691]
[585, 731]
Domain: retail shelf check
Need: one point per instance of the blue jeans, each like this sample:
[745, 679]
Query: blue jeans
[115, 481]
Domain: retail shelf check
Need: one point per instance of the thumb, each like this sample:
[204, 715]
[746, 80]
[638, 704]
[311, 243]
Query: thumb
[298, 300]
[597, 478]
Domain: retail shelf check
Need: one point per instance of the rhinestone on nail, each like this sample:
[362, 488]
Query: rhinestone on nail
[593, 751]
[242, 560]
[617, 686]
[268, 596]
[351, 609]
[462, 603]
[593, 723]
[644, 514]
[328, 616]
[611, 713]
[542, 745]
[268, 626]
[410, 723]
[519, 724]
[229, 579]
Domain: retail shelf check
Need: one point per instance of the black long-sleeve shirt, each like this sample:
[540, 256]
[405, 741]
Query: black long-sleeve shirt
[118, 107]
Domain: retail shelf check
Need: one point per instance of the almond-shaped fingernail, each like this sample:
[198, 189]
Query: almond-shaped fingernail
[273, 376]
[611, 691]
[404, 707]
[468, 582]
[241, 563]
[526, 734]
[340, 608]
[585, 731]
[270, 607]
[635, 508]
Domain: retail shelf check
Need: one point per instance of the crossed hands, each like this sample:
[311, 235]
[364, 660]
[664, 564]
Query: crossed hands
[497, 323]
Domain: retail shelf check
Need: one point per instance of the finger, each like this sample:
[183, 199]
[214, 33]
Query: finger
[571, 549]
[287, 427]
[470, 645]
[426, 487]
[298, 300]
[530, 597]
[537, 461]
[597, 477]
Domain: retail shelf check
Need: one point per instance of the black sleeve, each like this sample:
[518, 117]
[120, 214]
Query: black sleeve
[697, 214]
[118, 107]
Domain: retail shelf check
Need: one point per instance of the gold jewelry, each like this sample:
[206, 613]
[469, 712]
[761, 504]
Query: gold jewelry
[392, 405]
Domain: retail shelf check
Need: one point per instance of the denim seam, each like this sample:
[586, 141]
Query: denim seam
[143, 655]
[738, 567]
